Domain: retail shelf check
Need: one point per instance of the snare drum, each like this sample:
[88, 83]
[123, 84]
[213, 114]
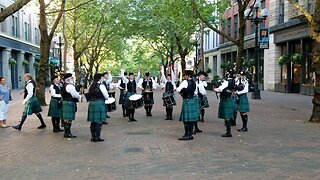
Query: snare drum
[110, 104]
[168, 100]
[136, 101]
[112, 94]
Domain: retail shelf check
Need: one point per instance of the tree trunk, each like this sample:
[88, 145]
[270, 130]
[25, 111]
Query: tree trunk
[43, 69]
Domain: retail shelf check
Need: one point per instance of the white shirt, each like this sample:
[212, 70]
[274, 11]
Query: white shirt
[70, 88]
[109, 80]
[29, 88]
[104, 91]
[246, 86]
[119, 83]
[184, 84]
[53, 91]
[222, 86]
[154, 85]
[201, 86]
[126, 80]
[164, 79]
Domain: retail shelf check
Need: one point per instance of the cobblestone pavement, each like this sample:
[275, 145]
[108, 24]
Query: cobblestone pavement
[279, 145]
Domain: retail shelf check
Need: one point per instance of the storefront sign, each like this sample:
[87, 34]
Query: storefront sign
[291, 33]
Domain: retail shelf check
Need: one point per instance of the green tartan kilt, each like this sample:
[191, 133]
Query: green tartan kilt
[54, 110]
[243, 105]
[97, 111]
[122, 97]
[226, 108]
[234, 101]
[127, 101]
[32, 106]
[190, 110]
[69, 110]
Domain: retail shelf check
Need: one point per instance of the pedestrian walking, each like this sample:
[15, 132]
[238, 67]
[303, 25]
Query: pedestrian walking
[5, 97]
[97, 110]
[31, 102]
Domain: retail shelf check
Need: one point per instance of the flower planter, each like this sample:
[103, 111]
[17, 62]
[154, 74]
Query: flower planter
[307, 90]
[282, 88]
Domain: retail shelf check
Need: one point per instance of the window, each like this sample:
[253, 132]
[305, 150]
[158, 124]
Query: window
[14, 29]
[26, 31]
[207, 34]
[229, 26]
[214, 65]
[36, 36]
[281, 12]
[236, 26]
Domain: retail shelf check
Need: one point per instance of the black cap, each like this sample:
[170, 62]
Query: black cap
[202, 73]
[97, 77]
[147, 74]
[53, 78]
[104, 73]
[125, 73]
[131, 74]
[188, 72]
[169, 75]
[67, 75]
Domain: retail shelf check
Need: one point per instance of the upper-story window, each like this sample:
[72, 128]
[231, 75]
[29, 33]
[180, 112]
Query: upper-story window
[236, 26]
[14, 27]
[36, 36]
[229, 26]
[27, 31]
[281, 12]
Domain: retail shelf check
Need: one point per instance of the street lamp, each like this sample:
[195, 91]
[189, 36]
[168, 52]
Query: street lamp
[59, 43]
[252, 15]
[197, 53]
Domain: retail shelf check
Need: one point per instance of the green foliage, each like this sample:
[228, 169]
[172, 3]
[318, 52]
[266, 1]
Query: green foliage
[226, 65]
[216, 79]
[284, 59]
[296, 58]
[248, 63]
[25, 62]
[12, 61]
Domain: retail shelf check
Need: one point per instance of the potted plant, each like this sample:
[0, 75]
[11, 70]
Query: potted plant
[208, 70]
[226, 65]
[296, 58]
[25, 62]
[12, 61]
[283, 60]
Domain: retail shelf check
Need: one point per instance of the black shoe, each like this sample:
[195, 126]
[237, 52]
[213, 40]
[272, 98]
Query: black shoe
[99, 140]
[104, 122]
[191, 137]
[243, 130]
[93, 140]
[184, 138]
[167, 118]
[132, 120]
[69, 136]
[226, 135]
[18, 127]
[125, 115]
[42, 126]
[107, 116]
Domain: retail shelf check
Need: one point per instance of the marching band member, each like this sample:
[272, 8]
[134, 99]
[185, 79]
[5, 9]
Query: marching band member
[226, 105]
[107, 82]
[190, 105]
[131, 90]
[169, 87]
[97, 110]
[242, 88]
[202, 96]
[122, 87]
[31, 102]
[69, 108]
[55, 104]
[147, 84]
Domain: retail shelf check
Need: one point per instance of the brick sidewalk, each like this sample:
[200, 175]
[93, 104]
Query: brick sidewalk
[279, 145]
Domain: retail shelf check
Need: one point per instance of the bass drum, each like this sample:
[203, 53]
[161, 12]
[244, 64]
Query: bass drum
[111, 104]
[136, 101]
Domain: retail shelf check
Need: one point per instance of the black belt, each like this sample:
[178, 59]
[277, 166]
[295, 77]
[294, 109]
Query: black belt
[57, 98]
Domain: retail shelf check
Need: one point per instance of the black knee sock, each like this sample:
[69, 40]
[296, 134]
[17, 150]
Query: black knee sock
[92, 130]
[202, 114]
[23, 119]
[190, 128]
[186, 128]
[98, 130]
[244, 121]
[41, 119]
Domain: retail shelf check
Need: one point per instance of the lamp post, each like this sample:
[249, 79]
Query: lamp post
[253, 16]
[197, 50]
[60, 43]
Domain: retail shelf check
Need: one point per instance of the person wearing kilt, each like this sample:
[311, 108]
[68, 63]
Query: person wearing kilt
[107, 80]
[169, 87]
[190, 106]
[69, 99]
[122, 87]
[202, 97]
[242, 88]
[226, 106]
[131, 90]
[31, 102]
[97, 110]
[55, 104]
[147, 85]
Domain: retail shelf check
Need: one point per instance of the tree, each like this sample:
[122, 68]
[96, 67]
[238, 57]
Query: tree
[45, 42]
[314, 24]
[14, 7]
[212, 21]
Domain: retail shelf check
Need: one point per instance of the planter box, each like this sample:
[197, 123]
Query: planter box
[282, 88]
[306, 90]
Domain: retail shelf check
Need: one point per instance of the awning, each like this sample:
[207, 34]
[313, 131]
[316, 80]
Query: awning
[54, 60]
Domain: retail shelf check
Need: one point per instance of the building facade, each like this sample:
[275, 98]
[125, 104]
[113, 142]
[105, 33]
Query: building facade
[19, 45]
[291, 44]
